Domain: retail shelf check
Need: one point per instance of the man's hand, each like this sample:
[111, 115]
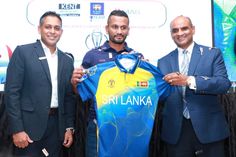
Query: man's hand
[176, 79]
[76, 76]
[68, 138]
[21, 139]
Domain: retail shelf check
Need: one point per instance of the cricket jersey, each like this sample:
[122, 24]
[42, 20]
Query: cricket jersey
[126, 92]
[101, 54]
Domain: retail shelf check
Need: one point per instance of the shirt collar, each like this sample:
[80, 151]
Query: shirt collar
[189, 49]
[107, 47]
[46, 49]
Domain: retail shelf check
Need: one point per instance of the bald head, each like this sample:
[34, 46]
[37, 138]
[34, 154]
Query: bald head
[182, 31]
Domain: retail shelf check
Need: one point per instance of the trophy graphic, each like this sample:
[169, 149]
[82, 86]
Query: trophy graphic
[95, 39]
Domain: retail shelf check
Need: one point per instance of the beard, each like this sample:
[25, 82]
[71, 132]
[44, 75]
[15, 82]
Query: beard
[117, 41]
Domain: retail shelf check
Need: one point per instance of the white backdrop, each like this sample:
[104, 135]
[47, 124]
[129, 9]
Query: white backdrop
[82, 19]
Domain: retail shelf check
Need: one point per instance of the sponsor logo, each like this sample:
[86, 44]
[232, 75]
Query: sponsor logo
[35, 8]
[69, 9]
[96, 8]
[96, 11]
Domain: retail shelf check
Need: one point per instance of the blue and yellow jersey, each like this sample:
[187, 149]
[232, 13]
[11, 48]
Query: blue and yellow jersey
[126, 91]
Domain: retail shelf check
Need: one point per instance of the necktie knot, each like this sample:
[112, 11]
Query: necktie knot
[185, 51]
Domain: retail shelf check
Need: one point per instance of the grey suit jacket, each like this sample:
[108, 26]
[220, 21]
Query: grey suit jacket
[28, 91]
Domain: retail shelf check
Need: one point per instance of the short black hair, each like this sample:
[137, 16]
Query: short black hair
[49, 13]
[118, 12]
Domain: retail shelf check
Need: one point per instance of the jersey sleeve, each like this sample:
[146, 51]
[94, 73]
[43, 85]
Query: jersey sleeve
[89, 82]
[163, 88]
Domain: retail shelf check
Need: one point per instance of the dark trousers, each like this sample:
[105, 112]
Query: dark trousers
[50, 142]
[189, 145]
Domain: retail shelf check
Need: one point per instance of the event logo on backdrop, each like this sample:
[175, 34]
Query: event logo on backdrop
[96, 11]
[88, 20]
[95, 39]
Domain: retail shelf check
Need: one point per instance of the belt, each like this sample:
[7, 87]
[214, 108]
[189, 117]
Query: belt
[53, 111]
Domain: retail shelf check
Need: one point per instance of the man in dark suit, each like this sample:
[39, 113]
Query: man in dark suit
[193, 120]
[39, 99]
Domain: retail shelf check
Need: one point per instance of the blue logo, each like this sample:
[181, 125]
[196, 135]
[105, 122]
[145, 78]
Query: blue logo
[96, 8]
[96, 11]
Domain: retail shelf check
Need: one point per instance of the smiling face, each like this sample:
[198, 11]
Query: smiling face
[182, 31]
[117, 29]
[50, 30]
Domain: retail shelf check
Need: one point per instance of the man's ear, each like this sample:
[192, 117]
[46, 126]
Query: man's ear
[106, 28]
[39, 30]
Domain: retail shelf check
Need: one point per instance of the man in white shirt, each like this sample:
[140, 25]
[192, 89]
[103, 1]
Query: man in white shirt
[39, 98]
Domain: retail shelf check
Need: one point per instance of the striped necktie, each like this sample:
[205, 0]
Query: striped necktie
[184, 70]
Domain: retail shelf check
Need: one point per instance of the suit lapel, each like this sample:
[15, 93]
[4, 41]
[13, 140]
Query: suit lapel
[196, 55]
[60, 67]
[43, 60]
[175, 65]
[174, 61]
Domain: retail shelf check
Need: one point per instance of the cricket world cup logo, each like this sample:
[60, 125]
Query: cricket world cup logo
[95, 39]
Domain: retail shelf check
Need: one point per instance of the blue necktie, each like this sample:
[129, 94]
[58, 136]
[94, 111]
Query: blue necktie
[184, 70]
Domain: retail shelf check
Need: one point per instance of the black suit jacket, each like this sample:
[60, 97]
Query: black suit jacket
[28, 91]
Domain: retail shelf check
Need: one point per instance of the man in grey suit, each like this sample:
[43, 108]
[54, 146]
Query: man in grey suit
[193, 120]
[39, 99]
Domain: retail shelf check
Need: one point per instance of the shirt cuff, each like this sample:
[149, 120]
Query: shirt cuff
[71, 129]
[191, 82]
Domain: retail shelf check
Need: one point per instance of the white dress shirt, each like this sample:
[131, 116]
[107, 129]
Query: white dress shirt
[52, 59]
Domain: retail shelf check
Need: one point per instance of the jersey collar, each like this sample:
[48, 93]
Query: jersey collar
[107, 47]
[129, 59]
